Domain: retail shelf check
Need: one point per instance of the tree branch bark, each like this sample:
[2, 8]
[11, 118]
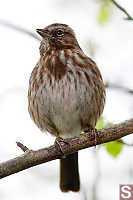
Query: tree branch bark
[32, 158]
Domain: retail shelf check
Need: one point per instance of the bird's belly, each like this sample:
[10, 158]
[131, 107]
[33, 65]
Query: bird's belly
[62, 109]
[60, 112]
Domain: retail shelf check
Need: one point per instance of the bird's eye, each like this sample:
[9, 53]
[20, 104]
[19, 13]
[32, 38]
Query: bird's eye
[59, 33]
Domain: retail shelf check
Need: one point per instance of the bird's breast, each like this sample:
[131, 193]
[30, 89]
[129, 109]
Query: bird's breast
[64, 98]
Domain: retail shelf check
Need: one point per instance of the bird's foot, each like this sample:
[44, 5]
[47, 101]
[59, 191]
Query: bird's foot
[94, 131]
[60, 142]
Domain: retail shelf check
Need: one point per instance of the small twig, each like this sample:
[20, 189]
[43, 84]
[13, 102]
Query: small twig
[19, 29]
[118, 87]
[24, 148]
[129, 17]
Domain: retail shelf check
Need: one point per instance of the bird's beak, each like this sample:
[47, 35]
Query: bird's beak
[42, 32]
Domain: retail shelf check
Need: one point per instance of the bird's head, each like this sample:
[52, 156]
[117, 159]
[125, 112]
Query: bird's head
[58, 36]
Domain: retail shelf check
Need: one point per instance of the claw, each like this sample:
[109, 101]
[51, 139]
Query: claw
[60, 140]
[93, 130]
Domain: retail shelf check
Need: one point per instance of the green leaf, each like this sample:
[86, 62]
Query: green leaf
[104, 14]
[114, 148]
[100, 124]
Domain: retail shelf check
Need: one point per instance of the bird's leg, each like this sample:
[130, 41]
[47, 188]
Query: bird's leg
[94, 131]
[60, 141]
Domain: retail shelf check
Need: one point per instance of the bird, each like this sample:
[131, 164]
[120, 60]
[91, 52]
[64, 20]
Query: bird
[66, 94]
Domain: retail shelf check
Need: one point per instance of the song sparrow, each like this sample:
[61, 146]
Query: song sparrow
[66, 93]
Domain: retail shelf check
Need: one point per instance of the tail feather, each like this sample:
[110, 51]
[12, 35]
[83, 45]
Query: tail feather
[69, 173]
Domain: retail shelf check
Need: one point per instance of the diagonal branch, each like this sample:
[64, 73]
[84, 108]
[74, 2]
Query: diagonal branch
[32, 158]
[118, 87]
[129, 17]
[19, 29]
